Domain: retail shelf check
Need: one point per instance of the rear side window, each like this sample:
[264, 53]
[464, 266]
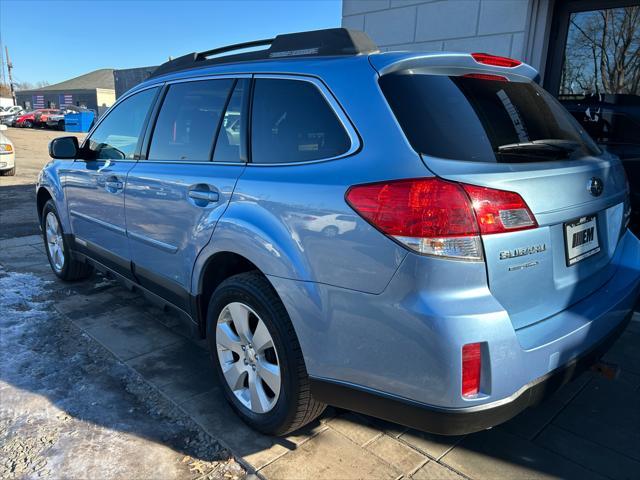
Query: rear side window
[483, 120]
[188, 121]
[292, 122]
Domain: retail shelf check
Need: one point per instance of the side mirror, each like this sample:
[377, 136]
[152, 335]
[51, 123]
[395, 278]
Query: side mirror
[64, 148]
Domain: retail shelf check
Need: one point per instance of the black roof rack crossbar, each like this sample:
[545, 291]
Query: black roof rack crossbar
[318, 43]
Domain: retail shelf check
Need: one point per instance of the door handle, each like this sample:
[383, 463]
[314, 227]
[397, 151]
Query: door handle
[206, 195]
[115, 185]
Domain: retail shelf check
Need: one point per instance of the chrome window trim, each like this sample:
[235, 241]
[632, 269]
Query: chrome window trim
[220, 76]
[354, 138]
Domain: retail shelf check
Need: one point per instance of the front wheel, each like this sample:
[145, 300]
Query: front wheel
[257, 356]
[62, 262]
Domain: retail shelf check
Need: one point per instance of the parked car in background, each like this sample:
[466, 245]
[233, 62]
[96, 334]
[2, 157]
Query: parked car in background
[480, 255]
[34, 118]
[10, 119]
[56, 121]
[613, 121]
[42, 116]
[7, 154]
[11, 110]
[26, 120]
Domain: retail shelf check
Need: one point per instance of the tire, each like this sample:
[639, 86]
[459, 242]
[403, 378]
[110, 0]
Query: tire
[10, 173]
[293, 406]
[27, 124]
[69, 269]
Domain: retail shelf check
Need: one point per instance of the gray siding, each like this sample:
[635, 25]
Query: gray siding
[501, 27]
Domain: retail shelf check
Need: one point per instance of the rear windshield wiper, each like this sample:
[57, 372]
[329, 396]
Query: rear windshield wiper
[555, 147]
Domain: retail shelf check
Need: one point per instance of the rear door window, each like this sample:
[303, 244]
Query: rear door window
[292, 122]
[231, 142]
[188, 121]
[484, 120]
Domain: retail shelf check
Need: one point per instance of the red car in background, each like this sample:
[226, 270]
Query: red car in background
[43, 115]
[36, 118]
[27, 120]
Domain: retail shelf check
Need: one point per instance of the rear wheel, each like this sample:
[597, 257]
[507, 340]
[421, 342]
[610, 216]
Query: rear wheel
[257, 356]
[62, 262]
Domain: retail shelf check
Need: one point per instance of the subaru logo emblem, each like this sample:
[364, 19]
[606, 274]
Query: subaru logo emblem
[595, 186]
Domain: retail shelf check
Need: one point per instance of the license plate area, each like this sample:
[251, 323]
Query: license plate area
[581, 239]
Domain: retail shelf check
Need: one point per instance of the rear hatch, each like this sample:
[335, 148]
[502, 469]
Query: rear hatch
[492, 128]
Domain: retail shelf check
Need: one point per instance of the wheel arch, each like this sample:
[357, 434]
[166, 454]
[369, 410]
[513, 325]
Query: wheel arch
[216, 269]
[42, 196]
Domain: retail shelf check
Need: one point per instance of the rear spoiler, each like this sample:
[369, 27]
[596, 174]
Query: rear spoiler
[450, 63]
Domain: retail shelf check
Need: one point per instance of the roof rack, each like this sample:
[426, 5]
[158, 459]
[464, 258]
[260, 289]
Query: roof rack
[318, 43]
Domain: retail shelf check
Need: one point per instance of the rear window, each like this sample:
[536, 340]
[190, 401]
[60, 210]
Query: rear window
[482, 120]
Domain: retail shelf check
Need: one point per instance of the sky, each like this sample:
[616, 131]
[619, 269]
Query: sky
[56, 40]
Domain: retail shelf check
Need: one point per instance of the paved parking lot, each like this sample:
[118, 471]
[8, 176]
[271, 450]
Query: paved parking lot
[18, 194]
[590, 429]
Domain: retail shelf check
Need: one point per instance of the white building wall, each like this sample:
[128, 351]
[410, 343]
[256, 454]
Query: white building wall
[6, 102]
[516, 28]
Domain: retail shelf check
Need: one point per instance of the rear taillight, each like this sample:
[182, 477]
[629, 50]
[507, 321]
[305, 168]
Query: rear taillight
[495, 60]
[499, 211]
[430, 216]
[437, 217]
[486, 76]
[471, 367]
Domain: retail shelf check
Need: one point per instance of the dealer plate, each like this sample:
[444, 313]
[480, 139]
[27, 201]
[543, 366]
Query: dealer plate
[581, 239]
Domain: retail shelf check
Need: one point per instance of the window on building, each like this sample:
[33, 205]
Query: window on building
[188, 120]
[292, 122]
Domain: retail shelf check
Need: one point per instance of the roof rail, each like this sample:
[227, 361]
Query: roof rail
[318, 43]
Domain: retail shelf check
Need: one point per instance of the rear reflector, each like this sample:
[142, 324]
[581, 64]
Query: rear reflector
[436, 217]
[495, 60]
[471, 367]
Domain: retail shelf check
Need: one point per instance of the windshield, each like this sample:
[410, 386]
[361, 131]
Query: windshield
[483, 120]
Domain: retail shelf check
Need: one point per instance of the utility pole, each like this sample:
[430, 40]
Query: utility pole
[9, 68]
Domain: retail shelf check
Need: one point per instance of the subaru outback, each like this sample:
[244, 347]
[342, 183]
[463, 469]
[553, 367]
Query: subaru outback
[429, 238]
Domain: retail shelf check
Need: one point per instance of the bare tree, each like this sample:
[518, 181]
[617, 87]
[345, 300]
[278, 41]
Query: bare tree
[603, 52]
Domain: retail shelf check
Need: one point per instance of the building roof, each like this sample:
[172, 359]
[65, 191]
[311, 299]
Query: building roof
[102, 78]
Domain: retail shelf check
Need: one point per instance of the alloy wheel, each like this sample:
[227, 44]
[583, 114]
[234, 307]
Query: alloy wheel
[55, 244]
[248, 357]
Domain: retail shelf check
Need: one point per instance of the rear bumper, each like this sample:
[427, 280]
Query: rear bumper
[405, 344]
[459, 421]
